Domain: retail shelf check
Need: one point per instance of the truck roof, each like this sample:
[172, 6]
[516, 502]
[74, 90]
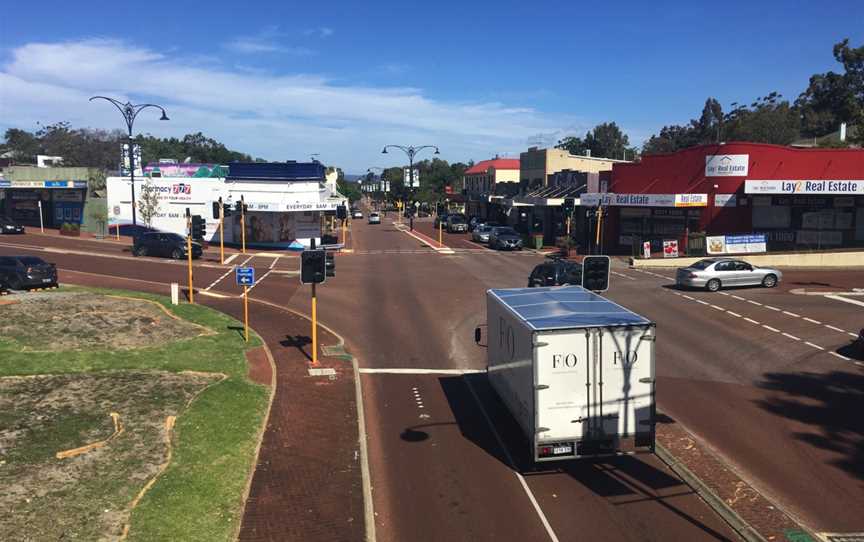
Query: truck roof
[565, 307]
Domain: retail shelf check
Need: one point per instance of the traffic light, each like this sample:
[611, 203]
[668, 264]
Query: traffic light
[341, 212]
[216, 210]
[226, 209]
[569, 206]
[240, 207]
[313, 266]
[595, 273]
[199, 226]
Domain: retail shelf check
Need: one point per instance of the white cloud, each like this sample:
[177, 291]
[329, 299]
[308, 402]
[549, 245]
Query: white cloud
[267, 40]
[276, 116]
[321, 32]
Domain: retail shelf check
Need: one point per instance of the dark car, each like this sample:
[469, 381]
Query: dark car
[505, 238]
[17, 272]
[858, 345]
[556, 272]
[168, 245]
[456, 224]
[7, 225]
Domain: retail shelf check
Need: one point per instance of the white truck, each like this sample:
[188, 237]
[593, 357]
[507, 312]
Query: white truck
[574, 369]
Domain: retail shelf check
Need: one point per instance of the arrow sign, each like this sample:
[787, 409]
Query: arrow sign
[245, 276]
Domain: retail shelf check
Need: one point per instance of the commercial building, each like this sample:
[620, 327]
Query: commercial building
[285, 201]
[59, 192]
[798, 199]
[487, 183]
[537, 165]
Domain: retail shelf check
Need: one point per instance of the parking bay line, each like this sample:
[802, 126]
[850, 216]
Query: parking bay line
[752, 321]
[793, 337]
[816, 346]
[774, 329]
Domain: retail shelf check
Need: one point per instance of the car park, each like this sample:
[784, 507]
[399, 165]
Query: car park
[505, 238]
[168, 245]
[374, 218]
[456, 224]
[713, 274]
[18, 272]
[555, 272]
[7, 226]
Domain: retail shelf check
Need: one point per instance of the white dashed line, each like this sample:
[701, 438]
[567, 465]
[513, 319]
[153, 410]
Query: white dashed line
[772, 308]
[724, 293]
[735, 314]
[791, 314]
[718, 308]
[738, 297]
[688, 297]
[816, 346]
[812, 321]
[769, 328]
[835, 328]
[793, 337]
[754, 302]
[703, 302]
[836, 355]
[752, 321]
[852, 334]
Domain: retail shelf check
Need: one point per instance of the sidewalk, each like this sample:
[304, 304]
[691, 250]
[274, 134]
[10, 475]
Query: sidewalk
[307, 482]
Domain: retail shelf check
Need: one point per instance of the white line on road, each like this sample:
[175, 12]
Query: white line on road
[792, 314]
[724, 293]
[247, 260]
[774, 329]
[793, 337]
[752, 321]
[845, 299]
[735, 314]
[230, 258]
[217, 281]
[272, 265]
[703, 302]
[259, 281]
[738, 297]
[808, 343]
[852, 334]
[406, 371]
[754, 302]
[512, 465]
[688, 297]
[836, 355]
[812, 321]
[772, 308]
[835, 328]
[718, 308]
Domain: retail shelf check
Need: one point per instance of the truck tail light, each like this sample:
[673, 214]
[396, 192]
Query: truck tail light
[544, 451]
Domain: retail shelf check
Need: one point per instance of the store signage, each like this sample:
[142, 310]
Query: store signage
[736, 244]
[725, 200]
[41, 184]
[316, 206]
[828, 187]
[670, 249]
[644, 200]
[726, 165]
[646, 250]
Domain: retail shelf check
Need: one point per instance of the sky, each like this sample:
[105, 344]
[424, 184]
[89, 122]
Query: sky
[284, 80]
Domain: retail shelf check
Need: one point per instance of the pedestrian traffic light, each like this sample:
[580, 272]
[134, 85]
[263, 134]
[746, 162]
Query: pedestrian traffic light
[569, 206]
[313, 266]
[199, 227]
[341, 212]
[595, 273]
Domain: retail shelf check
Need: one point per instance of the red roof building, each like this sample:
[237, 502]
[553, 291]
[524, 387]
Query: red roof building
[486, 179]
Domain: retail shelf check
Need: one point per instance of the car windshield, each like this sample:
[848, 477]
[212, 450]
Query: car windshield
[373, 214]
[31, 260]
[702, 264]
[505, 231]
[174, 237]
[457, 220]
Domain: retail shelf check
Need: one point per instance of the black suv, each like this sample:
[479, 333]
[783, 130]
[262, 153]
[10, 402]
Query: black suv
[556, 272]
[17, 272]
[7, 225]
[169, 245]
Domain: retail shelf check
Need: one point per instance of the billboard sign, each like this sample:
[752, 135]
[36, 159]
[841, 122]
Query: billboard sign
[644, 200]
[736, 244]
[828, 187]
[670, 248]
[727, 165]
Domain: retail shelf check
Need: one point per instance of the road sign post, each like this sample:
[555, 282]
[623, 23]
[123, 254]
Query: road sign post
[245, 277]
[313, 269]
[221, 232]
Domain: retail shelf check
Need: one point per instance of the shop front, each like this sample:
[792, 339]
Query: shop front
[59, 202]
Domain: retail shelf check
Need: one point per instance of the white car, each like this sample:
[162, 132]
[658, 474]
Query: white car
[357, 214]
[374, 218]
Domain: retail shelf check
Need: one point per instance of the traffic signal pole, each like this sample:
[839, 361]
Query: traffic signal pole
[599, 223]
[246, 313]
[189, 256]
[221, 232]
[314, 318]
[243, 223]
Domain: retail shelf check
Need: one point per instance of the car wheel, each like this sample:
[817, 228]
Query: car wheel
[713, 285]
[769, 281]
[141, 251]
[176, 254]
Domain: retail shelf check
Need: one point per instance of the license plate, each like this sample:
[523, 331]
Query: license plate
[46, 280]
[562, 450]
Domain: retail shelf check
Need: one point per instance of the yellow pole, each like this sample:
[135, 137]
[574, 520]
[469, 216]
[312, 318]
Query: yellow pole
[599, 220]
[246, 312]
[440, 232]
[117, 230]
[189, 257]
[344, 233]
[221, 233]
[314, 327]
[243, 224]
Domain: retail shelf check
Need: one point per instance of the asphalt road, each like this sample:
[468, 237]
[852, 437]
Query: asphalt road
[760, 375]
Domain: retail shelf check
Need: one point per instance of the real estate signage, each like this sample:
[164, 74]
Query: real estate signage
[727, 165]
[827, 187]
[644, 200]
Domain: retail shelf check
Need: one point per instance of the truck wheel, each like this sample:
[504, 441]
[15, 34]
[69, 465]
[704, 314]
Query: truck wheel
[769, 281]
[713, 285]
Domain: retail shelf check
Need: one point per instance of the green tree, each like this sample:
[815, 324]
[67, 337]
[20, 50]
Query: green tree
[23, 145]
[148, 202]
[605, 140]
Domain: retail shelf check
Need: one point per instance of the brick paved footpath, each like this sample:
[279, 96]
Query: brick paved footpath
[307, 483]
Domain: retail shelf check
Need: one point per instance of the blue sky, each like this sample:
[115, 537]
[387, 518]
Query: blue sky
[283, 80]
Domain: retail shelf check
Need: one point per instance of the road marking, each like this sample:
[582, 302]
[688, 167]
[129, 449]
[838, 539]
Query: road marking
[738, 297]
[774, 329]
[703, 302]
[688, 297]
[272, 265]
[209, 294]
[405, 371]
[845, 299]
[417, 398]
[772, 308]
[793, 337]
[247, 260]
[217, 281]
[813, 321]
[365, 476]
[724, 293]
[230, 258]
[752, 321]
[792, 314]
[836, 355]
[735, 314]
[851, 334]
[512, 465]
[813, 345]
[628, 277]
[835, 328]
[754, 302]
[718, 308]
[259, 281]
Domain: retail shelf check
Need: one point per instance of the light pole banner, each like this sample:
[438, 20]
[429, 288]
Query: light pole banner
[406, 178]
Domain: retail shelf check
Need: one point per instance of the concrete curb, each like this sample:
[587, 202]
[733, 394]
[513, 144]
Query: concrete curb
[741, 527]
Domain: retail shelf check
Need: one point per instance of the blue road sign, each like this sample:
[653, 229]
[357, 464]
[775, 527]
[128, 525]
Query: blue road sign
[245, 276]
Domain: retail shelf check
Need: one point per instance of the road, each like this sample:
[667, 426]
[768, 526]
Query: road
[759, 375]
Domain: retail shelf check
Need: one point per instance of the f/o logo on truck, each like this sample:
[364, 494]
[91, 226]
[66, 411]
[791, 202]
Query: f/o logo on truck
[506, 338]
[625, 358]
[564, 360]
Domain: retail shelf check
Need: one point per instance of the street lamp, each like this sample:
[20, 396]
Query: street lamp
[129, 112]
[411, 151]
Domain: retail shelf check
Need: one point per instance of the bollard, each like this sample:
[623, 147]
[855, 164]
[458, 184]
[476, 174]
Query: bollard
[175, 293]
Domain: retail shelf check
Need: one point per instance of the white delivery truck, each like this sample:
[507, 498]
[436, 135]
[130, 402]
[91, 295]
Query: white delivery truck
[574, 369]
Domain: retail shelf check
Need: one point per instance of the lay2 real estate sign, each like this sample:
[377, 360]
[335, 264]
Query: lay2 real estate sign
[727, 165]
[825, 187]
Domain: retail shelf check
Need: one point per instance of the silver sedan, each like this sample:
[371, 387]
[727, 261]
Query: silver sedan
[481, 234]
[715, 273]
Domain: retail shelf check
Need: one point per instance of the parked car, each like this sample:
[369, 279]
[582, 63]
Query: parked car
[858, 345]
[374, 218]
[7, 225]
[168, 245]
[715, 273]
[556, 272]
[505, 238]
[481, 233]
[440, 219]
[456, 224]
[18, 272]
[357, 213]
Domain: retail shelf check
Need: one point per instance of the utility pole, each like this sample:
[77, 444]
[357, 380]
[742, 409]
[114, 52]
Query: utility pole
[189, 253]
